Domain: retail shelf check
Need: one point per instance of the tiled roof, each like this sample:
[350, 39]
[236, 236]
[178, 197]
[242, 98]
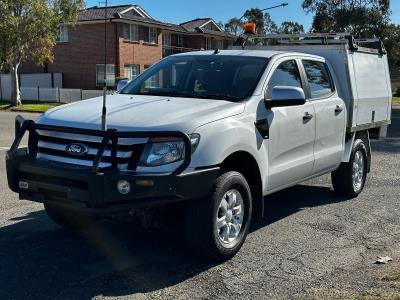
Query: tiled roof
[114, 12]
[98, 13]
[192, 25]
[178, 28]
[145, 20]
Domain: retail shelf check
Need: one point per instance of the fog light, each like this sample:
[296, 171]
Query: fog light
[124, 187]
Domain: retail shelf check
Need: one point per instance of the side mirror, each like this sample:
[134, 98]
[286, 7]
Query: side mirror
[121, 84]
[286, 96]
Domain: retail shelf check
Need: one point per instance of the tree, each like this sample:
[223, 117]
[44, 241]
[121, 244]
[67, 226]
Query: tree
[234, 26]
[289, 27]
[29, 30]
[269, 25]
[362, 18]
[391, 37]
[359, 17]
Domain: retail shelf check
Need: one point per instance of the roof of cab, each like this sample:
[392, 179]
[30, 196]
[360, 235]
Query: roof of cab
[253, 53]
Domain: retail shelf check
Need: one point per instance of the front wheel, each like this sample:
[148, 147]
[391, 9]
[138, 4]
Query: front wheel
[216, 226]
[349, 179]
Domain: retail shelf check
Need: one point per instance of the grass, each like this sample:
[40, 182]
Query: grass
[347, 294]
[396, 100]
[29, 106]
[391, 277]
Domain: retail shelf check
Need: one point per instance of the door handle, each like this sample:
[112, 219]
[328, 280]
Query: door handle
[338, 109]
[307, 116]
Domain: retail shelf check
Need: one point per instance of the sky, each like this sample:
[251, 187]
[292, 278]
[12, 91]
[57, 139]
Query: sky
[178, 11]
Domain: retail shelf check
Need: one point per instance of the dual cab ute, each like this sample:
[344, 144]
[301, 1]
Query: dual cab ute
[218, 130]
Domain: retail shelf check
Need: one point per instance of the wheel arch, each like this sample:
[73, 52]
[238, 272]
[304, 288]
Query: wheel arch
[245, 163]
[350, 140]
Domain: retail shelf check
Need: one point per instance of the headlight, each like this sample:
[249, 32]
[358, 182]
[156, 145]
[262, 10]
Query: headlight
[162, 151]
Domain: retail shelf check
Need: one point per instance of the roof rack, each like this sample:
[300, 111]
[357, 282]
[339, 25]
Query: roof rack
[315, 39]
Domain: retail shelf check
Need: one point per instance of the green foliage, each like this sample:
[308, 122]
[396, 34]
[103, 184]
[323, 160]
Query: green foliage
[29, 28]
[30, 106]
[362, 18]
[289, 27]
[359, 17]
[264, 24]
[391, 36]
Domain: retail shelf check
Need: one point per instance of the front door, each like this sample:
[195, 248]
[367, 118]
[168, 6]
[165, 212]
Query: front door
[291, 132]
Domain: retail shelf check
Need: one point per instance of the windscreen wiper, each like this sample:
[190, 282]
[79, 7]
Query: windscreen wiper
[220, 96]
[171, 94]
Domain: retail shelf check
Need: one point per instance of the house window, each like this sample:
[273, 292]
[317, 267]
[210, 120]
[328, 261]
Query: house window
[166, 39]
[131, 32]
[110, 75]
[150, 35]
[131, 71]
[177, 40]
[63, 33]
[151, 82]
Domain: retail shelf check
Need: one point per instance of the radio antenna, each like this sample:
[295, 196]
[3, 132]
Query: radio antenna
[104, 109]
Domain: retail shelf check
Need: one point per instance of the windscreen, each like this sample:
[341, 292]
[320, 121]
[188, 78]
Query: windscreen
[201, 76]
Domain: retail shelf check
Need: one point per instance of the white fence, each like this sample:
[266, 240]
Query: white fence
[46, 80]
[54, 94]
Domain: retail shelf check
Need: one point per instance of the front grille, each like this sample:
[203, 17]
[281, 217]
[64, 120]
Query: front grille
[53, 148]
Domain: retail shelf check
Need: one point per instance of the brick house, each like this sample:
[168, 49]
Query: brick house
[194, 35]
[135, 41]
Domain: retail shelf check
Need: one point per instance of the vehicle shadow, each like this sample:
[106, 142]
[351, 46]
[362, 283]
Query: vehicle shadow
[41, 260]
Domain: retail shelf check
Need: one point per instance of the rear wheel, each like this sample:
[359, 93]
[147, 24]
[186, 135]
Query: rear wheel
[349, 179]
[68, 218]
[216, 226]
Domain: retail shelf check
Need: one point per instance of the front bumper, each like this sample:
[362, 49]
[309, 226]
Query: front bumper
[81, 188]
[93, 188]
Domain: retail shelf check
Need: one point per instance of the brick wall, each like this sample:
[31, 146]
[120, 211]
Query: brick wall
[77, 59]
[139, 53]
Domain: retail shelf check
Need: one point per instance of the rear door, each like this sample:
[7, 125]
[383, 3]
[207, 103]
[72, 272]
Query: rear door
[291, 131]
[330, 116]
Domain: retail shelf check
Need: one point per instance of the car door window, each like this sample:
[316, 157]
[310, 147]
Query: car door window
[286, 74]
[318, 79]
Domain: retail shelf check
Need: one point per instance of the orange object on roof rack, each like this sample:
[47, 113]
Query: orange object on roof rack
[249, 28]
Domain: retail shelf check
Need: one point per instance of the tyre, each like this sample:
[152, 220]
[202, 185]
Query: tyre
[67, 218]
[216, 226]
[349, 179]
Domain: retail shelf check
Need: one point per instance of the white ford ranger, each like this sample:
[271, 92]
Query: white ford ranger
[217, 129]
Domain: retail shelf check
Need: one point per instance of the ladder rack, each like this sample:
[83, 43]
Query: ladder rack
[366, 45]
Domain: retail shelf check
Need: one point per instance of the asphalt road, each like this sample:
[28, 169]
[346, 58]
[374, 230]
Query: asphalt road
[311, 245]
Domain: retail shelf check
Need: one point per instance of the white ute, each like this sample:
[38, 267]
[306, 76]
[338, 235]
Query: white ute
[215, 130]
